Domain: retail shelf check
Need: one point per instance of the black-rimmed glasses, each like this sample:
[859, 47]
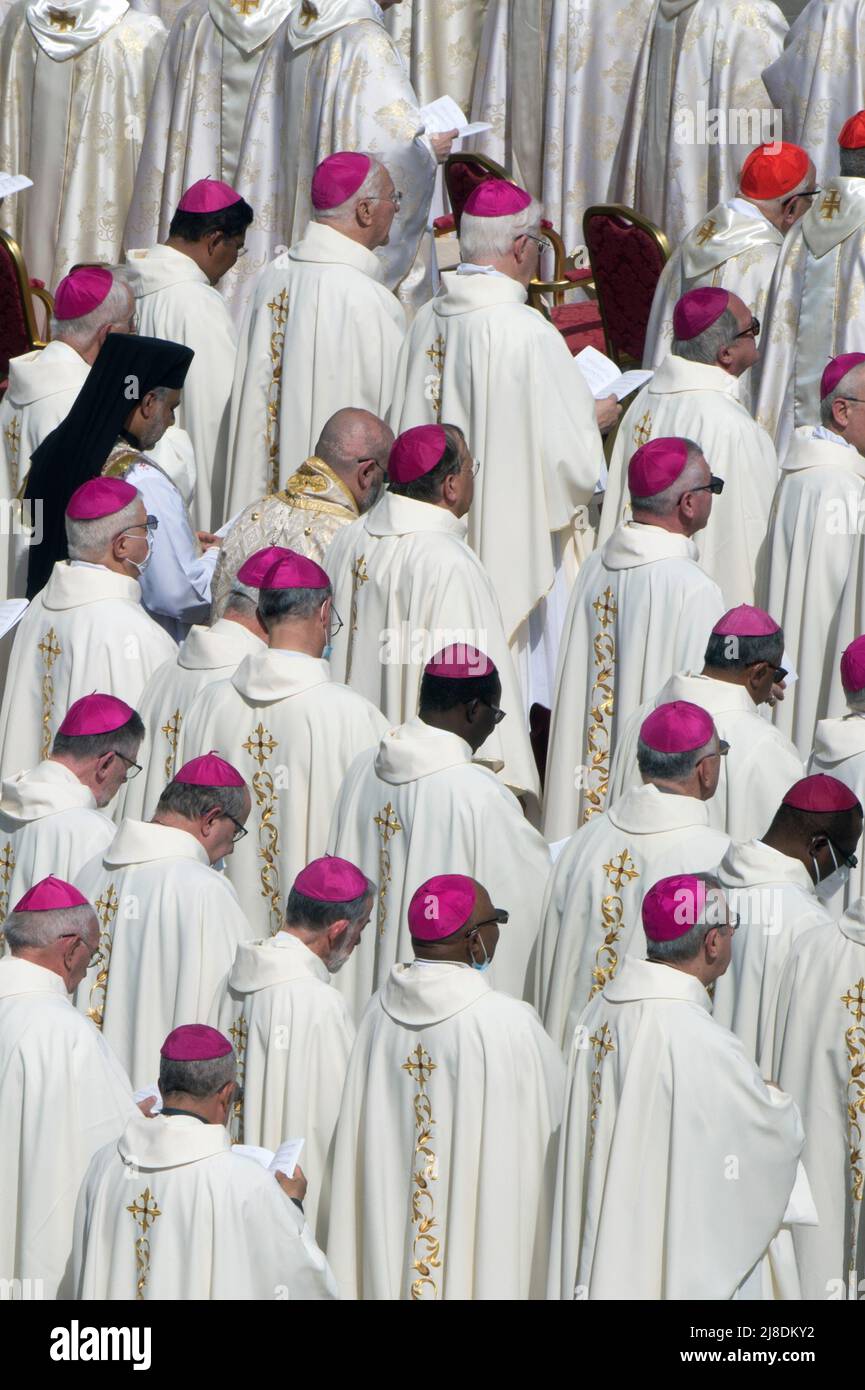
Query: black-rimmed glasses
[501, 917]
[95, 952]
[752, 331]
[808, 193]
[132, 768]
[716, 486]
[498, 714]
[239, 830]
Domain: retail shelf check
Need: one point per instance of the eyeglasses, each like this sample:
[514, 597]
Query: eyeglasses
[150, 522]
[501, 917]
[335, 618]
[476, 466]
[752, 331]
[133, 768]
[240, 830]
[498, 714]
[854, 400]
[723, 750]
[780, 675]
[395, 198]
[94, 953]
[716, 486]
[543, 244]
[808, 193]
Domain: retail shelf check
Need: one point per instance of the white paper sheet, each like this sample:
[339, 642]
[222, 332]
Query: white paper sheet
[145, 1093]
[283, 1161]
[13, 183]
[12, 610]
[604, 378]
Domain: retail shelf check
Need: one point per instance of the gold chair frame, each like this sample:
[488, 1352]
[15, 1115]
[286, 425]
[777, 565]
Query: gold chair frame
[659, 237]
[29, 293]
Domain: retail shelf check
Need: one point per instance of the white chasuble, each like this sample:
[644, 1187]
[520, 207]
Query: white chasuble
[174, 299]
[73, 104]
[292, 732]
[692, 400]
[445, 1146]
[304, 516]
[774, 897]
[440, 44]
[170, 926]
[591, 912]
[63, 1095]
[336, 82]
[815, 311]
[408, 585]
[756, 774]
[839, 751]
[170, 1212]
[819, 1057]
[293, 1037]
[198, 109]
[322, 331]
[415, 807]
[49, 824]
[85, 631]
[641, 609]
[817, 82]
[697, 108]
[207, 654]
[477, 356]
[812, 547]
[734, 247]
[657, 1099]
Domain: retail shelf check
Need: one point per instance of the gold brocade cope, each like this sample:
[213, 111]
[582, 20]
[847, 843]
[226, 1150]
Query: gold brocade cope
[426, 1248]
[260, 745]
[278, 307]
[601, 711]
[144, 1216]
[50, 649]
[854, 1001]
[388, 826]
[106, 910]
[620, 870]
[601, 1045]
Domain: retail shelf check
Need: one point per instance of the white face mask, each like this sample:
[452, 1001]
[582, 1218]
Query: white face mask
[487, 960]
[834, 882]
[141, 565]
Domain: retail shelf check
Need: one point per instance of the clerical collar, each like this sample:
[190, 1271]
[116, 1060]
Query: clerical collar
[169, 1110]
[470, 268]
[821, 432]
[741, 205]
[130, 439]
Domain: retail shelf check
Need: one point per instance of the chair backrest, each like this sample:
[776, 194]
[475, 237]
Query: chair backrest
[463, 173]
[18, 328]
[627, 254]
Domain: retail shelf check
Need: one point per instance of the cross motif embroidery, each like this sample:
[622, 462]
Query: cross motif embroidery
[245, 7]
[106, 910]
[171, 730]
[50, 649]
[260, 745]
[855, 1000]
[601, 1045]
[606, 608]
[388, 826]
[7, 865]
[278, 307]
[433, 382]
[830, 205]
[419, 1065]
[707, 231]
[621, 870]
[61, 19]
[359, 577]
[144, 1217]
[643, 431]
[238, 1033]
[12, 434]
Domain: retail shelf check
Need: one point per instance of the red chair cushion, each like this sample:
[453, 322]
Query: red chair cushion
[627, 264]
[14, 338]
[462, 180]
[580, 325]
[577, 277]
[446, 223]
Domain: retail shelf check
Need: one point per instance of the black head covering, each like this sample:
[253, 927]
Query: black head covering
[127, 367]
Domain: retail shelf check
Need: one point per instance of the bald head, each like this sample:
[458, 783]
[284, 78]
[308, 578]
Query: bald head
[356, 444]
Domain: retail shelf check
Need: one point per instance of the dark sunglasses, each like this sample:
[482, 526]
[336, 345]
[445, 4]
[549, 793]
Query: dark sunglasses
[752, 331]
[716, 486]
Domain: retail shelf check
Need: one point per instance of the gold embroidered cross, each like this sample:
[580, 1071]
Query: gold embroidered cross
[707, 231]
[106, 906]
[855, 1000]
[7, 862]
[419, 1065]
[605, 607]
[260, 745]
[50, 648]
[238, 1033]
[146, 1214]
[643, 431]
[601, 1044]
[830, 205]
[387, 823]
[620, 870]
[245, 7]
[278, 306]
[436, 353]
[171, 730]
[61, 19]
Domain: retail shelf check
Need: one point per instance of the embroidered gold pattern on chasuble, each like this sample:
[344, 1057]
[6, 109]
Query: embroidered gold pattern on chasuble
[50, 649]
[278, 307]
[12, 435]
[854, 1001]
[238, 1032]
[144, 1216]
[601, 712]
[106, 910]
[643, 430]
[260, 745]
[427, 1245]
[171, 730]
[7, 868]
[601, 1045]
[433, 381]
[388, 826]
[359, 577]
[621, 869]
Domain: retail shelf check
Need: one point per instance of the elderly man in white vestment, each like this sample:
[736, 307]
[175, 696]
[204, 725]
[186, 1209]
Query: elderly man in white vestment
[811, 559]
[340, 481]
[641, 609]
[817, 1057]
[338, 82]
[292, 1030]
[419, 799]
[86, 629]
[170, 923]
[651, 1074]
[322, 331]
[736, 245]
[171, 1211]
[63, 1092]
[591, 905]
[411, 584]
[816, 306]
[290, 727]
[839, 751]
[697, 105]
[75, 82]
[479, 357]
[820, 76]
[695, 394]
[176, 298]
[740, 673]
[776, 886]
[51, 819]
[443, 1158]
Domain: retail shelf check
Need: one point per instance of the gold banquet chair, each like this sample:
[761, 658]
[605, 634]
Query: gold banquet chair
[19, 330]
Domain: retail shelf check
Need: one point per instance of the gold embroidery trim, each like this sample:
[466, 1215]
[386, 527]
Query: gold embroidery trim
[144, 1217]
[643, 430]
[854, 1001]
[260, 745]
[426, 1248]
[601, 1045]
[50, 649]
[830, 205]
[621, 869]
[171, 730]
[707, 231]
[239, 1032]
[7, 868]
[359, 577]
[433, 382]
[278, 307]
[601, 712]
[106, 911]
[388, 826]
[12, 435]
[61, 19]
[245, 7]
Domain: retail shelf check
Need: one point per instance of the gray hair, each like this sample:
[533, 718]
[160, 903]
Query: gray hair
[78, 747]
[663, 503]
[855, 700]
[275, 604]
[670, 767]
[688, 947]
[34, 929]
[242, 598]
[844, 388]
[370, 188]
[191, 801]
[315, 915]
[484, 239]
[88, 540]
[706, 346]
[853, 164]
[115, 308]
[199, 1079]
